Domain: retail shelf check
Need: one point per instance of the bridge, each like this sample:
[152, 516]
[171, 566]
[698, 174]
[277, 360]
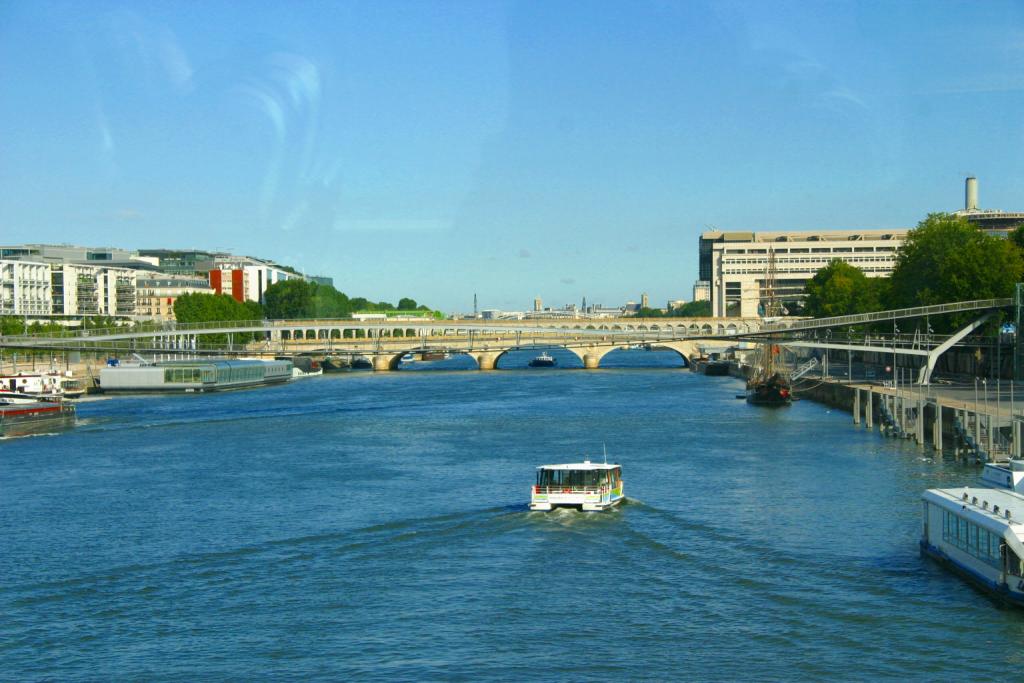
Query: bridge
[386, 341]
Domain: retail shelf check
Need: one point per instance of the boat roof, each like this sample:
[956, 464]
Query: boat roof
[982, 501]
[586, 465]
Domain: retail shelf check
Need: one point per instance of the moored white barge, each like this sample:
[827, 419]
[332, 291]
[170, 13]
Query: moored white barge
[978, 532]
[586, 486]
[194, 375]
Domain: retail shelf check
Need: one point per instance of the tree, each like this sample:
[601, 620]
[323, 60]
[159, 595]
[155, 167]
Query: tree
[946, 258]
[195, 307]
[406, 304]
[841, 289]
[692, 309]
[289, 299]
[1017, 236]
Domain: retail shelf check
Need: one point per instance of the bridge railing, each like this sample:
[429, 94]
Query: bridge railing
[881, 316]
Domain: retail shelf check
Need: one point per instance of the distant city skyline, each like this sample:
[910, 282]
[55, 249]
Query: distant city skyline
[439, 150]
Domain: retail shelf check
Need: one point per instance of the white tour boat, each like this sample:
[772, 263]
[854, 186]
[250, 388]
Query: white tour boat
[585, 485]
[979, 533]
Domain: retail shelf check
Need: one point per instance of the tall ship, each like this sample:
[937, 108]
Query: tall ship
[768, 384]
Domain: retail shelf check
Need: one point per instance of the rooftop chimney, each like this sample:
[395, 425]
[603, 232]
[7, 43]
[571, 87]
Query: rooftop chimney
[971, 194]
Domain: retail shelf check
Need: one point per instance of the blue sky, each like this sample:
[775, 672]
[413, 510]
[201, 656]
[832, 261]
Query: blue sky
[512, 149]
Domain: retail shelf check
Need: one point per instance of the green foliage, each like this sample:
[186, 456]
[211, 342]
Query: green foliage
[289, 299]
[195, 307]
[842, 289]
[293, 299]
[946, 258]
[10, 324]
[1017, 236]
[691, 309]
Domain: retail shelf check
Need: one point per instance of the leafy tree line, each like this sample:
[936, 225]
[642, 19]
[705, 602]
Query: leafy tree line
[300, 299]
[13, 325]
[290, 299]
[691, 309]
[194, 307]
[944, 259]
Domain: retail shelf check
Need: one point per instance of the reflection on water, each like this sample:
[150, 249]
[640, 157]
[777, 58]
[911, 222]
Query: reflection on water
[376, 526]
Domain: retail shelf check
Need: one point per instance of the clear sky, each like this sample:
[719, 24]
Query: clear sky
[512, 149]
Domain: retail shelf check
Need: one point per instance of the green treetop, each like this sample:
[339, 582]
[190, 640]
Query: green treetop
[841, 289]
[946, 258]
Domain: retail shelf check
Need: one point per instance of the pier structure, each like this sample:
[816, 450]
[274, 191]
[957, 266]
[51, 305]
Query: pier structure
[983, 429]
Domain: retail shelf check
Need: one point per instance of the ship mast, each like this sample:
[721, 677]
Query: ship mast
[770, 306]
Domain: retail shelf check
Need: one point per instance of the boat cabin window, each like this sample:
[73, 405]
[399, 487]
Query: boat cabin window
[971, 538]
[572, 478]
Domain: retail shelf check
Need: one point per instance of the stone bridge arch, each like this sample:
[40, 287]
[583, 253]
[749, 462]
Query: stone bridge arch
[686, 349]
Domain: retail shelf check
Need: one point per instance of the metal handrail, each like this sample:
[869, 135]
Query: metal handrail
[878, 316]
[571, 489]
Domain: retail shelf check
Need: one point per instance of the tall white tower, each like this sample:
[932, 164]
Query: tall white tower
[971, 194]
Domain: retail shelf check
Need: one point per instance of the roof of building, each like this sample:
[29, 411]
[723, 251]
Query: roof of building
[805, 236]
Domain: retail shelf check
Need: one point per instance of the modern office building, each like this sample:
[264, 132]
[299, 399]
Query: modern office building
[992, 221]
[179, 261]
[62, 253]
[737, 264]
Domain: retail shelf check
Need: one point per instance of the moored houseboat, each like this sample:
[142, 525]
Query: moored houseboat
[585, 486]
[979, 533]
[46, 386]
[194, 376]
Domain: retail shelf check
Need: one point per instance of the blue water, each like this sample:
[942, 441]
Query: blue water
[374, 526]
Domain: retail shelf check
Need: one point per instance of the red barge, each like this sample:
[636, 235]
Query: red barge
[38, 417]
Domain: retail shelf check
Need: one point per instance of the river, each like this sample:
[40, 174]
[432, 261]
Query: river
[374, 526]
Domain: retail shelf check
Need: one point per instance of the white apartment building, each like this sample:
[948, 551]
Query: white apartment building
[85, 290]
[736, 264]
[24, 288]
